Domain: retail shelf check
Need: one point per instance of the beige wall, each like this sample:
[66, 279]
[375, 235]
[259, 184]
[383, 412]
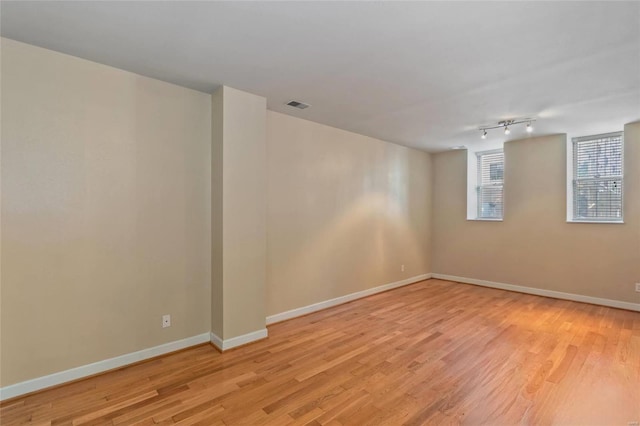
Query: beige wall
[239, 220]
[535, 246]
[105, 212]
[344, 212]
[217, 246]
[116, 207]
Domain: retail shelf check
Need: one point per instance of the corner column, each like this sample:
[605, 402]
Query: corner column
[238, 218]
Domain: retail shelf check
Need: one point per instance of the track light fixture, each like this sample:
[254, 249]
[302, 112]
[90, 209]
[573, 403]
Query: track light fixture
[505, 124]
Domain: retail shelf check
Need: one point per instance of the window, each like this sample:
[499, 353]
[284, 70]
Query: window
[490, 181]
[598, 178]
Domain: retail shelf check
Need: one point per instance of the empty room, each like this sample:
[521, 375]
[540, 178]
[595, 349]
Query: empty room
[320, 213]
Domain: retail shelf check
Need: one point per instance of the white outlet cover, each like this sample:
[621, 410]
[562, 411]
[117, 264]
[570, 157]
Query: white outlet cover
[166, 321]
[638, 287]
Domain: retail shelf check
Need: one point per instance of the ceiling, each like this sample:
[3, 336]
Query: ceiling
[421, 74]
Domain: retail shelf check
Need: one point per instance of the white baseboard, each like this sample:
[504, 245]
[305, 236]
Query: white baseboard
[542, 292]
[272, 319]
[227, 344]
[215, 340]
[98, 367]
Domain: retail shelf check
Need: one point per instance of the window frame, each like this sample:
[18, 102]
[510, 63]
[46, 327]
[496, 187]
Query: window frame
[480, 185]
[573, 179]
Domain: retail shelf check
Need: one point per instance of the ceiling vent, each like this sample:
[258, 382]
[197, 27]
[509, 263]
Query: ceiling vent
[299, 105]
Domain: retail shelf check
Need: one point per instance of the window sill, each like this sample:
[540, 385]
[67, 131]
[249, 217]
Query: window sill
[485, 220]
[609, 222]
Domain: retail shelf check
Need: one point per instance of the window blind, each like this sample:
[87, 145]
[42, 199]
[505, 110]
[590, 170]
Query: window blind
[490, 182]
[598, 177]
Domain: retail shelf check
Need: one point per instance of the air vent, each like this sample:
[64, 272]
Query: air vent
[299, 105]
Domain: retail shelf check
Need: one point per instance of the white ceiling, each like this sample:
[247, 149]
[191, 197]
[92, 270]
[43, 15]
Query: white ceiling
[421, 74]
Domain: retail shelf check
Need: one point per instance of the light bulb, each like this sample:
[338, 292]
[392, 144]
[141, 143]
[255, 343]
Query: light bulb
[506, 130]
[529, 128]
[484, 135]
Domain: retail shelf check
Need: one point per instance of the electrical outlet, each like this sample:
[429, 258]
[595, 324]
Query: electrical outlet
[166, 321]
[638, 287]
[402, 268]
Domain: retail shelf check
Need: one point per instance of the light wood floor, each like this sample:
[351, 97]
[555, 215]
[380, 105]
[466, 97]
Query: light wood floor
[434, 352]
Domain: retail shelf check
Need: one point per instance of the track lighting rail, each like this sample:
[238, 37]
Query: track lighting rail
[504, 124]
